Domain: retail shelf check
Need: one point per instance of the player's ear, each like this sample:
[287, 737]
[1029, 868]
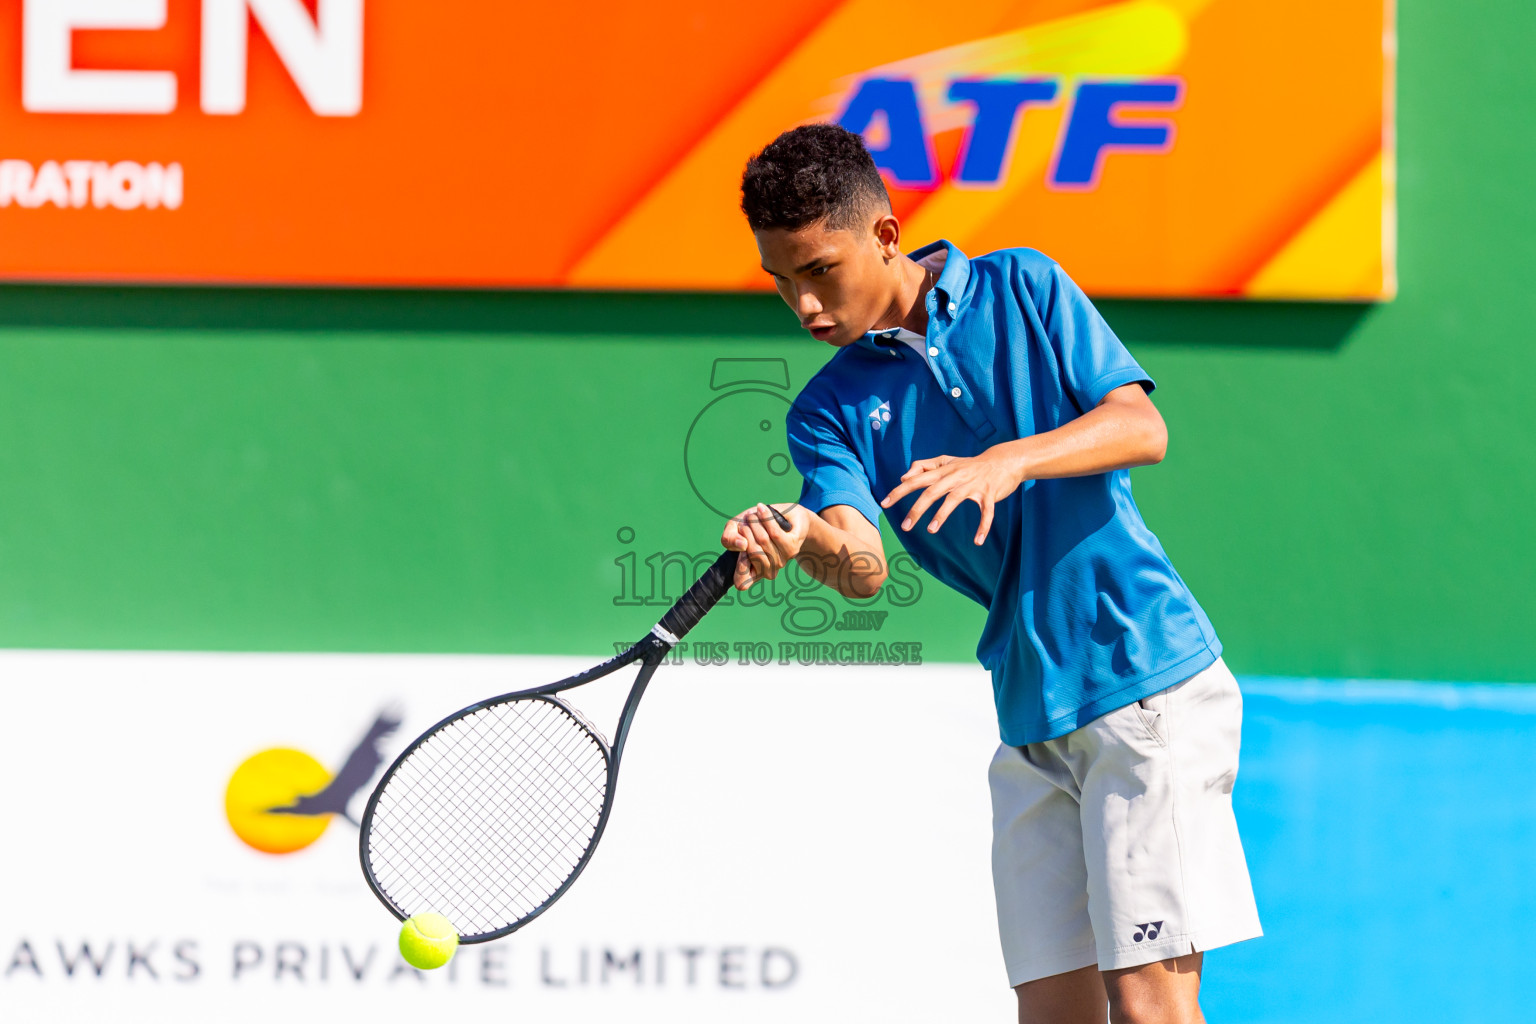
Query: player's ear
[888, 235]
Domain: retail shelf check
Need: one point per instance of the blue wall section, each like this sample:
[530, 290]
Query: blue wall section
[1391, 834]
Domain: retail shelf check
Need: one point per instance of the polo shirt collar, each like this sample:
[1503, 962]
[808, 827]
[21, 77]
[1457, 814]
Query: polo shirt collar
[957, 269]
[951, 283]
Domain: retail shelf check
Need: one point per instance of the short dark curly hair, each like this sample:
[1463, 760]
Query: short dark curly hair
[816, 172]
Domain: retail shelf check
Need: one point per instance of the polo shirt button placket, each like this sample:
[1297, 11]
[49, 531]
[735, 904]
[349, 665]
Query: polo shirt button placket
[936, 333]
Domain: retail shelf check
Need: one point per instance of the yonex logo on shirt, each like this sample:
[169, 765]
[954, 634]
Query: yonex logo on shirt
[1147, 931]
[881, 414]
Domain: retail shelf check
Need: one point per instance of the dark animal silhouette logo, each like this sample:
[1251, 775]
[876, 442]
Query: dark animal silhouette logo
[353, 776]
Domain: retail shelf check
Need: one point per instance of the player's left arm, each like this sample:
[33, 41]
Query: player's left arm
[1123, 430]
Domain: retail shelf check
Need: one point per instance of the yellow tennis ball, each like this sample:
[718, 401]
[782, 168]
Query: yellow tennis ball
[428, 941]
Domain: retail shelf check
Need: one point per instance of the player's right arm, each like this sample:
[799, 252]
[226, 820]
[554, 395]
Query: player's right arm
[839, 547]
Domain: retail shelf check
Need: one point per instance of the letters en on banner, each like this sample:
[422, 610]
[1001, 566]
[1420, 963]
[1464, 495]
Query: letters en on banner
[1153, 147]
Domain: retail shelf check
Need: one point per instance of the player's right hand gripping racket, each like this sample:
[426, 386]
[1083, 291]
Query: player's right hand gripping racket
[490, 815]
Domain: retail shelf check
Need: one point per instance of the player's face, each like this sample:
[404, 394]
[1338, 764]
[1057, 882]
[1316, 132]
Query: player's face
[839, 282]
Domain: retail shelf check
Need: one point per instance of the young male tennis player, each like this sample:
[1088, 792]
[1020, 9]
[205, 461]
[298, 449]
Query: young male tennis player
[984, 405]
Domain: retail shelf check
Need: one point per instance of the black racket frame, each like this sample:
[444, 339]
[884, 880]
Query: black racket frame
[650, 651]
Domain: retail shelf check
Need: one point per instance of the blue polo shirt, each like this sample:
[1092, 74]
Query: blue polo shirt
[1085, 613]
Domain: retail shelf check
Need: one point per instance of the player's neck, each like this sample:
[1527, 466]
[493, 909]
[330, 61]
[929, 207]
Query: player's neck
[907, 308]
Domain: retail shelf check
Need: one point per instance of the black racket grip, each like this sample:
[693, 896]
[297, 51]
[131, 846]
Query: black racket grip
[706, 593]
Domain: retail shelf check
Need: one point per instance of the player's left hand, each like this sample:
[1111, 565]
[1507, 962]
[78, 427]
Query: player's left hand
[986, 479]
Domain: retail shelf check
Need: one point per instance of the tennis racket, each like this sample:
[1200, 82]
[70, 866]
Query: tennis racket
[493, 813]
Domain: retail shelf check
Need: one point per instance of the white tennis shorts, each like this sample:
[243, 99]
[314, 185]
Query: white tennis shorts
[1115, 844]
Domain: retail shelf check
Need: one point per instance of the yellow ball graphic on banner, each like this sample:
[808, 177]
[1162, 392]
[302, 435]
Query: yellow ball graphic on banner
[275, 778]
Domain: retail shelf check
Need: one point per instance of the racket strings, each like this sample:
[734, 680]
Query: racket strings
[526, 846]
[488, 818]
[535, 838]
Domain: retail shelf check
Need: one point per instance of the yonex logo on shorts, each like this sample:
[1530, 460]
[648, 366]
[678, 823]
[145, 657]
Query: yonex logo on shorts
[1148, 931]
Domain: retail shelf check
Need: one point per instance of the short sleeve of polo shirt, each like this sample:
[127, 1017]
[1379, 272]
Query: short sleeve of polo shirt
[1092, 359]
[831, 470]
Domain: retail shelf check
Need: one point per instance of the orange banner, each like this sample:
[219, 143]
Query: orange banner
[1154, 147]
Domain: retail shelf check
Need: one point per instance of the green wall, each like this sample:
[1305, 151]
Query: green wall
[1348, 489]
